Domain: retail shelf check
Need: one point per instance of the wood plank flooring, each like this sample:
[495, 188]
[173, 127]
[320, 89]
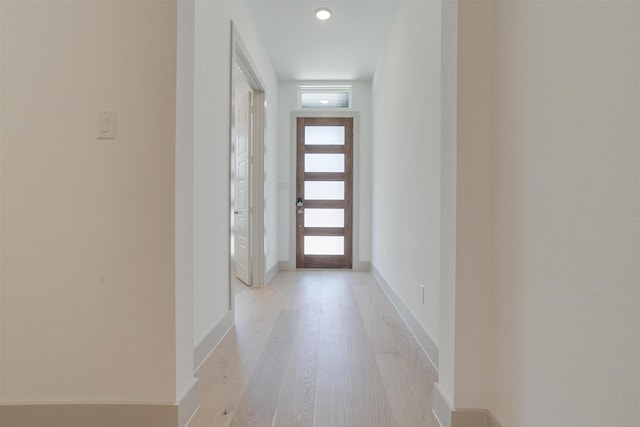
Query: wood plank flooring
[316, 349]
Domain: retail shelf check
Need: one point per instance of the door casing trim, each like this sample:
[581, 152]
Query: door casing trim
[240, 57]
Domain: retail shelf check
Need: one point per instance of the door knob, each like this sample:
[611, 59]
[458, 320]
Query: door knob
[300, 211]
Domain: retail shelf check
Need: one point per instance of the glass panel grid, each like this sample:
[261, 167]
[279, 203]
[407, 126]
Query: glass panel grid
[324, 162]
[324, 135]
[323, 217]
[324, 245]
[324, 190]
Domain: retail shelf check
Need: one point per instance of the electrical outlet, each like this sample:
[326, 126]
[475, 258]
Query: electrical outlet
[421, 287]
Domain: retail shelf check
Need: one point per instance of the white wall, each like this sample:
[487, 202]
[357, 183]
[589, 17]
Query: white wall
[406, 161]
[184, 196]
[474, 195]
[271, 165]
[88, 241]
[448, 182]
[566, 325]
[361, 104]
[212, 157]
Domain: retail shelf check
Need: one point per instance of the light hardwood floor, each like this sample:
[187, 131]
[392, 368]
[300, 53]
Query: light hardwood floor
[318, 349]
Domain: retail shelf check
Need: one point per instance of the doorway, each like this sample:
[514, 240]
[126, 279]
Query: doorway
[324, 192]
[242, 141]
[247, 170]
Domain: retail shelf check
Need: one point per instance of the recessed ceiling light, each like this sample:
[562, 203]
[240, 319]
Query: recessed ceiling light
[324, 101]
[323, 14]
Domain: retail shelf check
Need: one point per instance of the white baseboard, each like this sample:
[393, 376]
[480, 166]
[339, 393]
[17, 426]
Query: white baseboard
[89, 414]
[449, 417]
[189, 403]
[208, 343]
[441, 407]
[102, 414]
[361, 266]
[492, 421]
[286, 265]
[426, 342]
[271, 273]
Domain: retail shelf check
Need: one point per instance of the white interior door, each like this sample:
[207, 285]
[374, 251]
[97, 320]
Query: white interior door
[242, 128]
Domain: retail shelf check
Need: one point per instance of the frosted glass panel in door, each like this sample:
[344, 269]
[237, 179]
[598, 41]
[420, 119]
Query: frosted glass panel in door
[323, 217]
[323, 245]
[324, 135]
[324, 162]
[324, 190]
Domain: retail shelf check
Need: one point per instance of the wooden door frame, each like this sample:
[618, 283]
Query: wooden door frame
[343, 113]
[241, 58]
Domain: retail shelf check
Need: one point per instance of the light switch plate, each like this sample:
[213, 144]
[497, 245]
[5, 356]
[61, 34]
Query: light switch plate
[106, 124]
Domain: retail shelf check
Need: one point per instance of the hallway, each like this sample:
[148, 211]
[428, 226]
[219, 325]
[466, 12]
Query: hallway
[316, 348]
[496, 196]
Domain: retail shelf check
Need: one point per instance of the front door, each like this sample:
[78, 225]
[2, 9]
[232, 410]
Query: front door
[324, 189]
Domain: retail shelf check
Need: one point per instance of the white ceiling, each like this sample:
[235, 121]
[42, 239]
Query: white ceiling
[345, 47]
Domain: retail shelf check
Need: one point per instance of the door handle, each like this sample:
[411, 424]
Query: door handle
[235, 212]
[300, 211]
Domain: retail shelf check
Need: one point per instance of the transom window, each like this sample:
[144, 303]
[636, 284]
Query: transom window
[324, 97]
